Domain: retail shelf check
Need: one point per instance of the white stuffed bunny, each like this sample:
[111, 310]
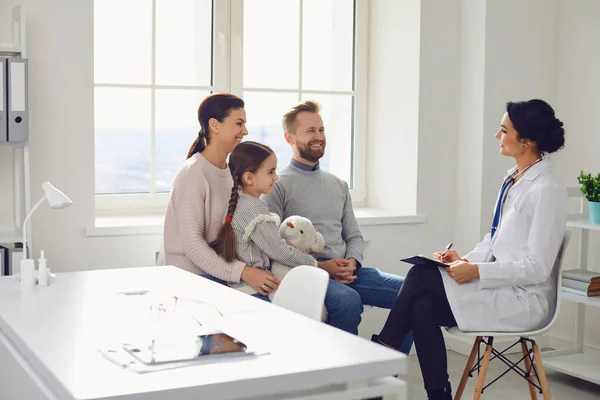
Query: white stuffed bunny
[300, 233]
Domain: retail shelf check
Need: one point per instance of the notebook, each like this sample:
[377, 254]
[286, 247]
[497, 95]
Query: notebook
[422, 260]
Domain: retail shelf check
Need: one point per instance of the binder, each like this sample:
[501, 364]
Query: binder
[422, 260]
[17, 100]
[3, 100]
[12, 255]
[2, 271]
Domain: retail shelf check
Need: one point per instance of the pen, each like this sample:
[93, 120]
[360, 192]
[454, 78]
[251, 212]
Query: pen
[444, 252]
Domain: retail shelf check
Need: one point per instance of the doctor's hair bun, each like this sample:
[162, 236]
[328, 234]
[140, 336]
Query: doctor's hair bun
[535, 120]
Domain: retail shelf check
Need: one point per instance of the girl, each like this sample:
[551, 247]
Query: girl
[250, 233]
[201, 189]
[508, 282]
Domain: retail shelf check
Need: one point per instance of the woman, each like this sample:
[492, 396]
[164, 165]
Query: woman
[506, 283]
[200, 196]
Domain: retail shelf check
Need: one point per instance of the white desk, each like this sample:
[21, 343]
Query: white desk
[49, 340]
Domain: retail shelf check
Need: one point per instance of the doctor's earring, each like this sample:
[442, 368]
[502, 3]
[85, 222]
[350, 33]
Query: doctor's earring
[524, 145]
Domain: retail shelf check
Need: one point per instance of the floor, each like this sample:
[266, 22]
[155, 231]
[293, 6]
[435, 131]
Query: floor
[510, 387]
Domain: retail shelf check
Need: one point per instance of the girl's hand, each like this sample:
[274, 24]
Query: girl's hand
[446, 256]
[260, 280]
[462, 271]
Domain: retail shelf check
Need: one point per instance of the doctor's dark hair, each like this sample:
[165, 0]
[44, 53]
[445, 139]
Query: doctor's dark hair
[246, 157]
[535, 120]
[217, 106]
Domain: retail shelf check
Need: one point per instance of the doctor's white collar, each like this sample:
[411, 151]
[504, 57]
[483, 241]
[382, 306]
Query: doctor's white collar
[532, 172]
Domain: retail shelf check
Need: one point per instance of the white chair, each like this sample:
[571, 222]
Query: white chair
[532, 363]
[302, 290]
[160, 256]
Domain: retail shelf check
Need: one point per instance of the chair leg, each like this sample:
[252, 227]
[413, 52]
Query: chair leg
[484, 366]
[540, 371]
[465, 376]
[529, 370]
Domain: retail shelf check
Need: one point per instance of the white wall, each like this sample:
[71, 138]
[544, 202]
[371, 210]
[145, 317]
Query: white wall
[578, 104]
[393, 103]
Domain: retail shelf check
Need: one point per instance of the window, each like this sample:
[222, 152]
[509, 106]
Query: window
[155, 60]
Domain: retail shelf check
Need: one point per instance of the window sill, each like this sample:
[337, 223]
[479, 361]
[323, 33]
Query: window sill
[152, 224]
[123, 225]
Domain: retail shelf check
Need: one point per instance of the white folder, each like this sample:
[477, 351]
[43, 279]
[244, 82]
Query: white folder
[17, 100]
[3, 101]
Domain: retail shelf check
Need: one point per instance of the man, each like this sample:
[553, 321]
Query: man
[304, 189]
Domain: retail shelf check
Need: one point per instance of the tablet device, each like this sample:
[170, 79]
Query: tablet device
[422, 260]
[157, 351]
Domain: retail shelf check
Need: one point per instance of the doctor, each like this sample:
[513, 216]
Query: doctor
[507, 283]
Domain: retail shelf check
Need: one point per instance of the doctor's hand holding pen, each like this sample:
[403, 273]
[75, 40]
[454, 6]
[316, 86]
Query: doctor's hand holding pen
[458, 268]
[447, 256]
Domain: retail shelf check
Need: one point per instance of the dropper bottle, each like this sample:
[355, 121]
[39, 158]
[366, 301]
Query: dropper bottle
[42, 270]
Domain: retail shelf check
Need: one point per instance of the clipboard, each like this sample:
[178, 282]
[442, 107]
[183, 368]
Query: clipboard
[422, 260]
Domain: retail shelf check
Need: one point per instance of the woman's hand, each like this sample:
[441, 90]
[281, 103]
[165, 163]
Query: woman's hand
[462, 271]
[260, 280]
[447, 256]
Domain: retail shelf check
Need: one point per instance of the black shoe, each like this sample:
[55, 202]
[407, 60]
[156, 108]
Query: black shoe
[375, 339]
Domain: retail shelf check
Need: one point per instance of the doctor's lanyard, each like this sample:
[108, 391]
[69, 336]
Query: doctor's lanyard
[503, 194]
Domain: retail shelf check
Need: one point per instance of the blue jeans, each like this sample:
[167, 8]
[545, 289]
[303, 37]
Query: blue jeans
[344, 303]
[222, 282]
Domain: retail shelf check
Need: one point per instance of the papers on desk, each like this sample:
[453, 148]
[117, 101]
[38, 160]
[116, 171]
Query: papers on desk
[152, 334]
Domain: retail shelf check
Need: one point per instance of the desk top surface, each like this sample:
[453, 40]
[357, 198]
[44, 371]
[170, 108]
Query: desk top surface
[60, 329]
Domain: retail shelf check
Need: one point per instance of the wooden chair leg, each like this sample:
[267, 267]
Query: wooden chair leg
[540, 371]
[465, 376]
[528, 368]
[484, 366]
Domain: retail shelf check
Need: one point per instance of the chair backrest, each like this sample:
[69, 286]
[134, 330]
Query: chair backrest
[558, 269]
[302, 290]
[160, 256]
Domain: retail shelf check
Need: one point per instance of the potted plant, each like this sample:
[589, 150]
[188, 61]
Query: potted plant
[590, 187]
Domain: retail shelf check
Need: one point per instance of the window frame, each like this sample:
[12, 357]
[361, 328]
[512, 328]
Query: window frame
[227, 42]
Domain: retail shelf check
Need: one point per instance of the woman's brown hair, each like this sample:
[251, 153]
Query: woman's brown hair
[217, 106]
[246, 157]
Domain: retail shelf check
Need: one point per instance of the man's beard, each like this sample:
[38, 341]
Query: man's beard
[310, 155]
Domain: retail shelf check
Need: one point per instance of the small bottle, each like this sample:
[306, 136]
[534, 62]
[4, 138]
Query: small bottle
[42, 270]
[27, 268]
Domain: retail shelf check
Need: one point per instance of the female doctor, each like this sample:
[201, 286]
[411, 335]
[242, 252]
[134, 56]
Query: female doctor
[506, 283]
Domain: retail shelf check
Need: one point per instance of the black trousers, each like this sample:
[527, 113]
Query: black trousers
[422, 306]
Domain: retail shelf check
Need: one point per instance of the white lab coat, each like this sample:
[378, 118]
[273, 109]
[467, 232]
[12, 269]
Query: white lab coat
[517, 284]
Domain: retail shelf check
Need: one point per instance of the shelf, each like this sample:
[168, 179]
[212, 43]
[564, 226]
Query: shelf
[584, 365]
[10, 237]
[7, 49]
[583, 223]
[578, 298]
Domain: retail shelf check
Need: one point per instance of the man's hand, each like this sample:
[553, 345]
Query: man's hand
[346, 274]
[462, 271]
[340, 270]
[332, 266]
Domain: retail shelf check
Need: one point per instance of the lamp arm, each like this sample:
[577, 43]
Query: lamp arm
[25, 225]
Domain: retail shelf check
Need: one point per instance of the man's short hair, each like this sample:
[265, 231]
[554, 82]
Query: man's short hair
[289, 118]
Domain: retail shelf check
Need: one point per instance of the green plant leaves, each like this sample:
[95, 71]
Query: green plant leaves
[590, 186]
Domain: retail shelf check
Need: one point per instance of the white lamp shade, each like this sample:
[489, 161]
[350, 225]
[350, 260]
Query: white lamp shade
[55, 197]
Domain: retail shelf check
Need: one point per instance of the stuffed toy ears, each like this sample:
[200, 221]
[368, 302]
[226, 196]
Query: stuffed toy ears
[319, 243]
